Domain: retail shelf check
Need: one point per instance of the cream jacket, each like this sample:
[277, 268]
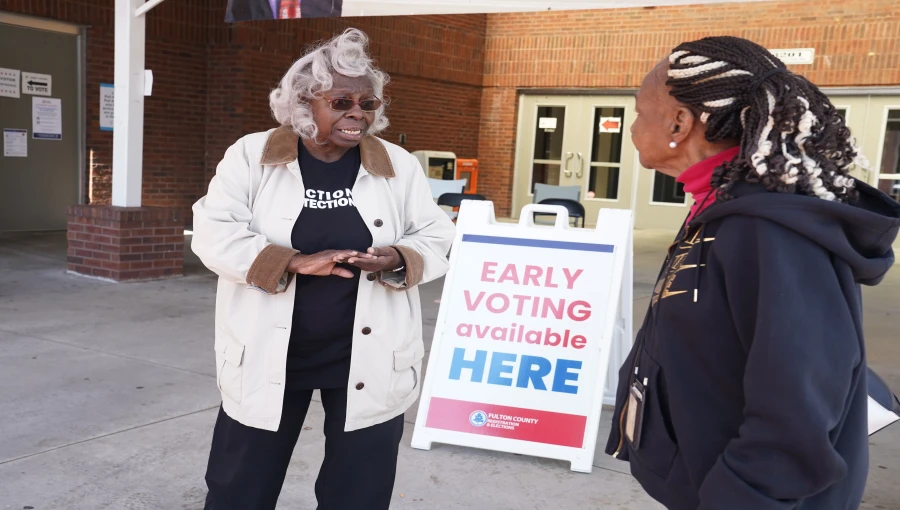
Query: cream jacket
[242, 232]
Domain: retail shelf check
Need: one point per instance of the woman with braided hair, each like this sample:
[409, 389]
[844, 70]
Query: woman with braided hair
[746, 386]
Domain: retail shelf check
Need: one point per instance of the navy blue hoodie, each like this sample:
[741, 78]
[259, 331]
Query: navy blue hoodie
[754, 355]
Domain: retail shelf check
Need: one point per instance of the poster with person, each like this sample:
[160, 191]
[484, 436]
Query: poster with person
[250, 10]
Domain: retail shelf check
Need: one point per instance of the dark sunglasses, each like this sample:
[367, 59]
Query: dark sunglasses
[345, 105]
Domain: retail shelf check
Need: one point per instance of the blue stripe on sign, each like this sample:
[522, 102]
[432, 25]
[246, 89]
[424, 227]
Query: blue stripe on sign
[538, 243]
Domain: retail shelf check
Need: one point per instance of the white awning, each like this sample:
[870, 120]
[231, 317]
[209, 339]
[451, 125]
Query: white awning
[405, 7]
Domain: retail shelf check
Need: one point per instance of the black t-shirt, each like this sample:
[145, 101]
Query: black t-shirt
[325, 306]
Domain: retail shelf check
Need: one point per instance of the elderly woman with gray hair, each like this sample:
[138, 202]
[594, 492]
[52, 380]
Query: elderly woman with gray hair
[320, 234]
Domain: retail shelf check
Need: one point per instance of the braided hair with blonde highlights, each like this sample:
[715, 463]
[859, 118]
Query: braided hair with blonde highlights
[792, 139]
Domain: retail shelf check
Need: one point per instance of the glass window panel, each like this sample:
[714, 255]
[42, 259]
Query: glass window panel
[548, 142]
[890, 187]
[604, 183]
[439, 168]
[607, 147]
[890, 159]
[667, 190]
[544, 174]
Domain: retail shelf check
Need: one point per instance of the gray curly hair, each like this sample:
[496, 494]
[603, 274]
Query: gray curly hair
[313, 74]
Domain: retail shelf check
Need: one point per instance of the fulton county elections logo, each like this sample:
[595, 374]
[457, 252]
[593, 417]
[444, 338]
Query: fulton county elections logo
[478, 418]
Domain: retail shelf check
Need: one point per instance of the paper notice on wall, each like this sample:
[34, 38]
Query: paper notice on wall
[610, 125]
[46, 115]
[148, 82]
[9, 82]
[547, 123]
[107, 106]
[36, 84]
[795, 56]
[15, 143]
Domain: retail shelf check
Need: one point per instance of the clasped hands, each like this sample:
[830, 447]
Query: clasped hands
[325, 263]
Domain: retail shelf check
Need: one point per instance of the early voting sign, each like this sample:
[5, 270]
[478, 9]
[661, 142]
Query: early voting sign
[531, 317]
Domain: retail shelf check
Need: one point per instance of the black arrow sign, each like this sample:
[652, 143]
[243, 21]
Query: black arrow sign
[36, 84]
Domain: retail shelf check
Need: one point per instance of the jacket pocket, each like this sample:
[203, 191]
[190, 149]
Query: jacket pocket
[615, 444]
[405, 372]
[229, 364]
[658, 447]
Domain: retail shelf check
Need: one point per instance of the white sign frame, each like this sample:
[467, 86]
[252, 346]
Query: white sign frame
[615, 227]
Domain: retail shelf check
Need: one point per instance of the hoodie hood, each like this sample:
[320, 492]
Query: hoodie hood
[860, 233]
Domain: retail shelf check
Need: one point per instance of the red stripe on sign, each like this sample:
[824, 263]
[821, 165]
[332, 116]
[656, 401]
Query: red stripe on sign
[509, 422]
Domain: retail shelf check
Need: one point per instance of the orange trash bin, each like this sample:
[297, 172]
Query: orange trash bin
[468, 169]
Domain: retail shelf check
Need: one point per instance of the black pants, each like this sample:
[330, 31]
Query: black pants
[247, 466]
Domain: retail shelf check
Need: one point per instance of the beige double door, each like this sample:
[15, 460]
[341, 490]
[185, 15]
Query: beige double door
[585, 142]
[875, 123]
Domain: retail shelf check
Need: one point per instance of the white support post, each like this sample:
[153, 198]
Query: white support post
[128, 126]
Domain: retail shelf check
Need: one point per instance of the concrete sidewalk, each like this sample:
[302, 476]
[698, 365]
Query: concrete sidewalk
[109, 399]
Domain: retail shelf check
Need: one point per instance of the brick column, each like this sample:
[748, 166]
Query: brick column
[126, 243]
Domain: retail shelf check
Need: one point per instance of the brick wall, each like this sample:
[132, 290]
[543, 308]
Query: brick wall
[174, 133]
[123, 244]
[455, 78]
[212, 79]
[99, 143]
[497, 146]
[224, 111]
[435, 64]
[857, 43]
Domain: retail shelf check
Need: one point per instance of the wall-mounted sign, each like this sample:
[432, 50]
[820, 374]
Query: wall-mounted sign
[107, 106]
[46, 115]
[15, 143]
[36, 84]
[610, 124]
[9, 82]
[148, 82]
[795, 56]
[547, 123]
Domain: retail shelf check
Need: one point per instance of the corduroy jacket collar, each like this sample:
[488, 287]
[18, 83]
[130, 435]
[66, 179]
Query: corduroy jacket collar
[281, 149]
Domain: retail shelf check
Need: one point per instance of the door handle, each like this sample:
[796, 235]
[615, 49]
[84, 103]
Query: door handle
[566, 166]
[580, 173]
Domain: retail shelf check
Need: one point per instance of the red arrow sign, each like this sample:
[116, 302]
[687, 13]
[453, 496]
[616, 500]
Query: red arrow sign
[609, 124]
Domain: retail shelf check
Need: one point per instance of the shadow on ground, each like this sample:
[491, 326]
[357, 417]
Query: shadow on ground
[109, 400]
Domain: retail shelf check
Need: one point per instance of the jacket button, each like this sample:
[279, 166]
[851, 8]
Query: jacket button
[366, 331]
[360, 386]
[378, 223]
[371, 277]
